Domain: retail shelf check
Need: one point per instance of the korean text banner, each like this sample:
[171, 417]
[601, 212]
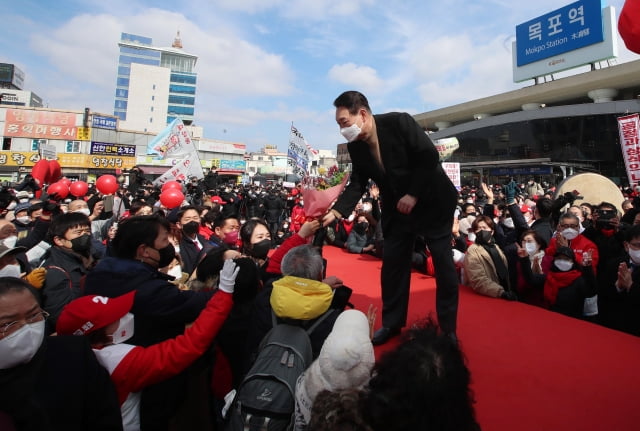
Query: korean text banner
[182, 171]
[629, 135]
[298, 154]
[173, 141]
[28, 123]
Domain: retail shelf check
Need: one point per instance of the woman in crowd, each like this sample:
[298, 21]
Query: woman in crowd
[485, 265]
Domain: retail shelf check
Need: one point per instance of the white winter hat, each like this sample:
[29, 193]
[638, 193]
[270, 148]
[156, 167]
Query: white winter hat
[346, 357]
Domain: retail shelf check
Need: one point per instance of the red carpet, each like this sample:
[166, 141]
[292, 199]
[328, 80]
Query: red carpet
[531, 369]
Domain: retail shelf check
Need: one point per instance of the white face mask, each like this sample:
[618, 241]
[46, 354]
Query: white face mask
[10, 271]
[124, 330]
[10, 241]
[367, 207]
[471, 237]
[24, 219]
[21, 346]
[531, 248]
[351, 133]
[176, 271]
[635, 256]
[569, 233]
[563, 265]
[508, 222]
[84, 211]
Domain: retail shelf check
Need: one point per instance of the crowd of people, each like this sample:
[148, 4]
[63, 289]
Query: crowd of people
[165, 309]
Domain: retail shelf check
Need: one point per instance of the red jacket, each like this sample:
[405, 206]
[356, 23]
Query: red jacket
[133, 368]
[579, 245]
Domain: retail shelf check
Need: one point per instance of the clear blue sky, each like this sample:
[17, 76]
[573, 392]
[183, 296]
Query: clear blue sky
[264, 64]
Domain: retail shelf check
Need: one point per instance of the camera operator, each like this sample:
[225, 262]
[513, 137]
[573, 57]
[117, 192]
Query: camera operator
[606, 232]
[28, 184]
[195, 191]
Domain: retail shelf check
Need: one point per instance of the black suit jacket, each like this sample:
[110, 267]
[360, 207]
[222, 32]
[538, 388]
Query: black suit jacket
[190, 254]
[411, 166]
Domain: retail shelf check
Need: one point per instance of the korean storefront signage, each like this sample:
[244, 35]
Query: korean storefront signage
[28, 123]
[105, 149]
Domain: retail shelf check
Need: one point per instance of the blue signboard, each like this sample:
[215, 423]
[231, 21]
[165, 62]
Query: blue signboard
[105, 149]
[101, 122]
[566, 29]
[236, 165]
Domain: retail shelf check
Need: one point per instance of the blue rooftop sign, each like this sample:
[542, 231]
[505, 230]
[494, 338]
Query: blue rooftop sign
[566, 29]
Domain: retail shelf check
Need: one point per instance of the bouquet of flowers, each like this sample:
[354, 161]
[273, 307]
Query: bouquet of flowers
[320, 193]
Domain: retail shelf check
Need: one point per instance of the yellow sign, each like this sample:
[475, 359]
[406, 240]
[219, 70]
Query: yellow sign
[95, 162]
[84, 134]
[18, 158]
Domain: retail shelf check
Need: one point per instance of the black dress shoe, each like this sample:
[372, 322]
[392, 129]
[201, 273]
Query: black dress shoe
[383, 335]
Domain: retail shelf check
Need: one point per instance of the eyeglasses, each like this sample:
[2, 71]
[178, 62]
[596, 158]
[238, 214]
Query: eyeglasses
[12, 327]
[572, 226]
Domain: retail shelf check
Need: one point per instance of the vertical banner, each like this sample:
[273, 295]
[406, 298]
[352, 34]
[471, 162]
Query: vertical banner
[628, 127]
[453, 172]
[298, 154]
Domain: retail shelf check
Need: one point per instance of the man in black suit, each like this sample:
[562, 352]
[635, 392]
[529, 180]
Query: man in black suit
[417, 199]
[192, 245]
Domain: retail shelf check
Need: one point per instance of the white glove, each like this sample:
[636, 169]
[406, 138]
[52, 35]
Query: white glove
[228, 276]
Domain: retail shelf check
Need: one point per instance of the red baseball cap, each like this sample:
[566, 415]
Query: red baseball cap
[525, 209]
[217, 200]
[89, 313]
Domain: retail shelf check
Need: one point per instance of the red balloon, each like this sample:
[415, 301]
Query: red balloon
[78, 188]
[172, 185]
[40, 171]
[60, 189]
[65, 180]
[55, 171]
[171, 198]
[107, 184]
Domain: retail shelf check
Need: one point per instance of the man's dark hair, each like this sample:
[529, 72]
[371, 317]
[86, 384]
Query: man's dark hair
[353, 101]
[137, 205]
[62, 223]
[185, 209]
[137, 230]
[421, 385]
[544, 207]
[341, 411]
[13, 284]
[632, 232]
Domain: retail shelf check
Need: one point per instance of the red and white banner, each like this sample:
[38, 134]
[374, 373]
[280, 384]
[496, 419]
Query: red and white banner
[183, 171]
[629, 133]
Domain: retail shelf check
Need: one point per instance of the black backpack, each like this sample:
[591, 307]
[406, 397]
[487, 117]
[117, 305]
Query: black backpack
[265, 399]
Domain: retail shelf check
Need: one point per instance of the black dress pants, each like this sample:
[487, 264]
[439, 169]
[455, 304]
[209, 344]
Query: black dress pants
[396, 278]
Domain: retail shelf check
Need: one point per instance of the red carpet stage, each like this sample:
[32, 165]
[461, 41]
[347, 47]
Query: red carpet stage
[531, 369]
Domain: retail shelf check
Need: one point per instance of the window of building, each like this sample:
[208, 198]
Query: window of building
[72, 147]
[6, 144]
[152, 109]
[153, 98]
[151, 119]
[35, 144]
[154, 87]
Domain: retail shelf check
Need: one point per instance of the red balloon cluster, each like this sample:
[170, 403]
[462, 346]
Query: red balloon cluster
[171, 198]
[107, 184]
[172, 185]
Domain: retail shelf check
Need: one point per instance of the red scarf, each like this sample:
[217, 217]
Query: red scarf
[557, 280]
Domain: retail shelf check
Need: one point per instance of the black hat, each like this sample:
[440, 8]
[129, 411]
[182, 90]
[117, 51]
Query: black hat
[565, 251]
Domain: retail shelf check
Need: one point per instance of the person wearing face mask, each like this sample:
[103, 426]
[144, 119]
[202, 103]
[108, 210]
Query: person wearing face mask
[418, 198]
[48, 383]
[226, 232]
[619, 286]
[68, 263]
[567, 284]
[255, 237]
[192, 245]
[360, 239]
[485, 265]
[568, 235]
[141, 246]
[109, 323]
[22, 219]
[534, 246]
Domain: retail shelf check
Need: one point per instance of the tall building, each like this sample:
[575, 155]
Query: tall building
[154, 85]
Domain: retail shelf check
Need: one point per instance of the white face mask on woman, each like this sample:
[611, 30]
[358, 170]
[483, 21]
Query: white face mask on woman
[12, 270]
[531, 247]
[563, 265]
